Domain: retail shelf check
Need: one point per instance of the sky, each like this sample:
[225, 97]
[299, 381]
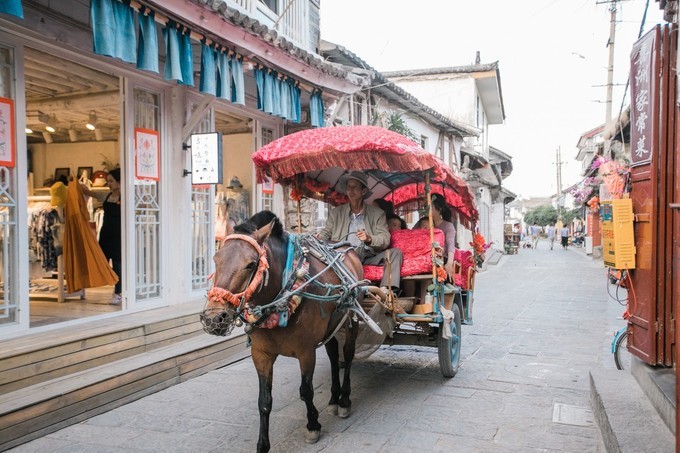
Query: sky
[552, 56]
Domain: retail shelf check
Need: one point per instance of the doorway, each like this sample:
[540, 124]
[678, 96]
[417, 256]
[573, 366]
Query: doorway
[73, 121]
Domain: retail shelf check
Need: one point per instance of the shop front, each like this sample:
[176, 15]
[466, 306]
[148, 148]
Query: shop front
[70, 117]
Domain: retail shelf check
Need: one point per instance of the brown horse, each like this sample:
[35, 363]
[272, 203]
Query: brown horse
[289, 317]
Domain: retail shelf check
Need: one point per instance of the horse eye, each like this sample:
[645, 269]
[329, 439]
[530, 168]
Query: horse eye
[251, 266]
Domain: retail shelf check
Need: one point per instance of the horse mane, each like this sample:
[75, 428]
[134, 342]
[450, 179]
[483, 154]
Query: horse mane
[259, 220]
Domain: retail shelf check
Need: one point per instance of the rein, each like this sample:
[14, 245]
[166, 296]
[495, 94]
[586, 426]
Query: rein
[224, 296]
[345, 295]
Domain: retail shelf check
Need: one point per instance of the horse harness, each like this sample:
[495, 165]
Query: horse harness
[296, 280]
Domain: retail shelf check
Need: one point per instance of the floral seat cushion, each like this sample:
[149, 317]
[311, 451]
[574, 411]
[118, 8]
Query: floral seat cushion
[416, 247]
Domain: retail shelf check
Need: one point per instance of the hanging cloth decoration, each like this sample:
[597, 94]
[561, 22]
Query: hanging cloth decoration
[172, 70]
[258, 74]
[295, 102]
[223, 76]
[278, 111]
[113, 29]
[12, 7]
[316, 109]
[268, 101]
[238, 93]
[147, 46]
[85, 265]
[186, 58]
[208, 83]
[285, 98]
[126, 39]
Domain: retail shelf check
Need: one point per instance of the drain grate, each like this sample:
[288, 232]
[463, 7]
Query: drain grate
[572, 415]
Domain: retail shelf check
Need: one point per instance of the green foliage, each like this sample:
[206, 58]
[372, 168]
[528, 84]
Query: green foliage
[542, 216]
[396, 122]
[570, 214]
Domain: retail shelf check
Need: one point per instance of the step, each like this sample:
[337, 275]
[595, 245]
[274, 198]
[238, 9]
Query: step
[43, 408]
[659, 386]
[40, 357]
[627, 419]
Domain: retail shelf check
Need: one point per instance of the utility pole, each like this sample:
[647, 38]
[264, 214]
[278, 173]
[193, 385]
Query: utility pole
[610, 66]
[558, 165]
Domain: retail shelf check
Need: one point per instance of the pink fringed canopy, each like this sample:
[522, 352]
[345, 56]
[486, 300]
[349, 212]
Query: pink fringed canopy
[311, 162]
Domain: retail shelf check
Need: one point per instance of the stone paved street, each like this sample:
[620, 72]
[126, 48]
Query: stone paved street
[542, 320]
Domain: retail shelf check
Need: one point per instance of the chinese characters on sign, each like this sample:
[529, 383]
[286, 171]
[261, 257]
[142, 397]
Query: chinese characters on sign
[206, 158]
[643, 61]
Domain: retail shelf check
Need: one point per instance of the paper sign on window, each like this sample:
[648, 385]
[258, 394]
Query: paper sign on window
[147, 155]
[7, 137]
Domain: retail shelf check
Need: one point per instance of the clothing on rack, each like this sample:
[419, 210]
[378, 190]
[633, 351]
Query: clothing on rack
[85, 265]
[42, 218]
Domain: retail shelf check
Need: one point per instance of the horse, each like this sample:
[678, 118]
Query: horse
[289, 316]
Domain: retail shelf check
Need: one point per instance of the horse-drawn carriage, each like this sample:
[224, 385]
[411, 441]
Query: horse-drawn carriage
[296, 293]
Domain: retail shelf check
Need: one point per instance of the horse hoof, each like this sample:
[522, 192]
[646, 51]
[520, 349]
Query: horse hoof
[333, 408]
[312, 437]
[343, 412]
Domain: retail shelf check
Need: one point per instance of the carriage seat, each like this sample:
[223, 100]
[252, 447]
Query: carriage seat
[465, 269]
[416, 247]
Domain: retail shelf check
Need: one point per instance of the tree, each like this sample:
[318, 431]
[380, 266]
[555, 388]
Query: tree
[571, 214]
[542, 215]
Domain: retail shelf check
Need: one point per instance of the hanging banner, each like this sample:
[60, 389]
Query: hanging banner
[206, 158]
[7, 135]
[147, 155]
[643, 91]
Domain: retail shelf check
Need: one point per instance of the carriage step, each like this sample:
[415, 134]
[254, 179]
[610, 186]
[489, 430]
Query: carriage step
[416, 318]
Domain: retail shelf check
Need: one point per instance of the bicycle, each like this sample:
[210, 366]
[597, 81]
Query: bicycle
[622, 356]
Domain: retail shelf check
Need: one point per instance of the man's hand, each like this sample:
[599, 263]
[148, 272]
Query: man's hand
[363, 236]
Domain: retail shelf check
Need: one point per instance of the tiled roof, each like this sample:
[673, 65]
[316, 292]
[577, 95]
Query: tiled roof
[255, 27]
[469, 69]
[394, 93]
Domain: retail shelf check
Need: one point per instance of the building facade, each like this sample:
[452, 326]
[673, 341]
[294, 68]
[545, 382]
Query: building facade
[249, 70]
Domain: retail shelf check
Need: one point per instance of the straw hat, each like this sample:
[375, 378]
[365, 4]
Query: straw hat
[356, 176]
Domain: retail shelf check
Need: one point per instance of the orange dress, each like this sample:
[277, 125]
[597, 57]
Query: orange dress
[85, 265]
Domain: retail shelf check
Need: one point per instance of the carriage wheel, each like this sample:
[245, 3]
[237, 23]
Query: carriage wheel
[449, 348]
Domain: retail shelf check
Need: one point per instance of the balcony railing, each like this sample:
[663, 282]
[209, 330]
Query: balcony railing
[291, 20]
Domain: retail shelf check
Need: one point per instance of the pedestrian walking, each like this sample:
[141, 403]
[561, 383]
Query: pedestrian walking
[551, 235]
[535, 231]
[564, 233]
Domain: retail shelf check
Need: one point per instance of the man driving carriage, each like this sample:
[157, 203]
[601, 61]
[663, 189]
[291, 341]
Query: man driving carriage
[364, 226]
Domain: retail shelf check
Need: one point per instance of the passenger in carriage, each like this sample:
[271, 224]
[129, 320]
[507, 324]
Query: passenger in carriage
[441, 218]
[394, 223]
[364, 226]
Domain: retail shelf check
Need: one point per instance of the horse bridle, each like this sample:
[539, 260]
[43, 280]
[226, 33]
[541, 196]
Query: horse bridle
[239, 300]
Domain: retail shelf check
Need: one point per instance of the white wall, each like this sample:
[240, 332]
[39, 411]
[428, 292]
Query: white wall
[453, 97]
[497, 221]
[46, 158]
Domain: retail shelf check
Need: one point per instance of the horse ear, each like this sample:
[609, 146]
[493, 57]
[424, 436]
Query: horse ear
[263, 233]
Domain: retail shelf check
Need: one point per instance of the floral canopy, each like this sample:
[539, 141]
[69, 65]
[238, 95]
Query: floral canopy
[312, 161]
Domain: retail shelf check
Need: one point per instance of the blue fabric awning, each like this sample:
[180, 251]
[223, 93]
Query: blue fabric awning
[316, 109]
[238, 91]
[12, 7]
[147, 46]
[208, 83]
[113, 29]
[223, 76]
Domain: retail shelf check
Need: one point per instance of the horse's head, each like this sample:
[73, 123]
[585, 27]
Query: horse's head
[241, 272]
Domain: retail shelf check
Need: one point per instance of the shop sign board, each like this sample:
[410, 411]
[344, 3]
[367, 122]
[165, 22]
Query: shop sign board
[644, 128]
[206, 158]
